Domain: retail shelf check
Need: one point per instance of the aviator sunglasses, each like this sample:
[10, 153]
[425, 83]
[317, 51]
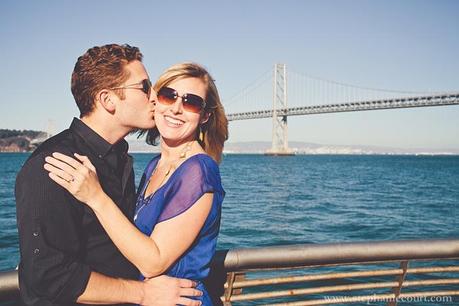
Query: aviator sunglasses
[192, 103]
[146, 86]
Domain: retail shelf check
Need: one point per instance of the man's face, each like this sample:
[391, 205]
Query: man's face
[136, 110]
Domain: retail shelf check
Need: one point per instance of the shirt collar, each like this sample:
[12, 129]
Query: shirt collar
[97, 143]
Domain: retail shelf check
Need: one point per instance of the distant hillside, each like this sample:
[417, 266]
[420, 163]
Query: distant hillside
[260, 147]
[18, 140]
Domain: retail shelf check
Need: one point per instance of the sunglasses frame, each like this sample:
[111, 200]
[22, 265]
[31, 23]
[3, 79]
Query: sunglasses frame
[145, 83]
[187, 105]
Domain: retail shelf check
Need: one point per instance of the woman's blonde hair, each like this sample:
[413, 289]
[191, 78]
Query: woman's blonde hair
[215, 130]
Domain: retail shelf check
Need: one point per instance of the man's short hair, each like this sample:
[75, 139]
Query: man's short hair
[101, 68]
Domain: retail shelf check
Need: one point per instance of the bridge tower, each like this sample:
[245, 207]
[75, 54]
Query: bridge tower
[50, 129]
[280, 130]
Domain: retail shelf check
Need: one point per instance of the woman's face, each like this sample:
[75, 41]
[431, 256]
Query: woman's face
[176, 124]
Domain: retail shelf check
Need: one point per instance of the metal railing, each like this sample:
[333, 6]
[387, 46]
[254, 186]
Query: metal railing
[9, 285]
[339, 273]
[324, 274]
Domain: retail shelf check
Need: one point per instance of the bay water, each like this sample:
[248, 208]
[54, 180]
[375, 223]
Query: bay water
[306, 199]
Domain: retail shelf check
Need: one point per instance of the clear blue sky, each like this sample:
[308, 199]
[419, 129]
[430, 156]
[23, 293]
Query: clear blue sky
[400, 45]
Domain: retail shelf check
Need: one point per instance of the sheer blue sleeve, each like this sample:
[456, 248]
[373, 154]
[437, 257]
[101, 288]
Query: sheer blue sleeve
[198, 176]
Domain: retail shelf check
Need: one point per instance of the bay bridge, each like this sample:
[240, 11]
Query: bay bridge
[308, 95]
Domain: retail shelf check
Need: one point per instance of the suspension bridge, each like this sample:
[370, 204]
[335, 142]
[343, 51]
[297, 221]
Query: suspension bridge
[308, 95]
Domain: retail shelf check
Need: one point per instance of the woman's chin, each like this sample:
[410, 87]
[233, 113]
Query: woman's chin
[174, 140]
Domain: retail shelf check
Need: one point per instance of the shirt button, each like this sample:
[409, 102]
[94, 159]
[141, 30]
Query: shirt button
[36, 251]
[35, 234]
[100, 156]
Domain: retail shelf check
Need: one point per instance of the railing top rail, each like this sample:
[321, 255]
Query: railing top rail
[335, 253]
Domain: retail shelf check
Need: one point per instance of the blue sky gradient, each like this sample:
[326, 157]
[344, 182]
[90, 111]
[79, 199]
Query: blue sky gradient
[399, 45]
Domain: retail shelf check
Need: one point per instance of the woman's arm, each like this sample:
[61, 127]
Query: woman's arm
[170, 239]
[151, 255]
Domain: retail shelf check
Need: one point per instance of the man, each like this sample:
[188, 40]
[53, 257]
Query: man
[66, 256]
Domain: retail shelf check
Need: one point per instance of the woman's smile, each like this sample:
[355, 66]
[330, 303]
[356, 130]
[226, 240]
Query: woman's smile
[173, 122]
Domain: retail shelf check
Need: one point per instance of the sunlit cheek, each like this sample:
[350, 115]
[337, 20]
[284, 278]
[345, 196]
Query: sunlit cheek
[194, 120]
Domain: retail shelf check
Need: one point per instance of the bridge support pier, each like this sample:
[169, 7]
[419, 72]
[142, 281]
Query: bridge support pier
[280, 130]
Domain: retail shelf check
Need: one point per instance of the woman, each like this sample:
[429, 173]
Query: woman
[178, 210]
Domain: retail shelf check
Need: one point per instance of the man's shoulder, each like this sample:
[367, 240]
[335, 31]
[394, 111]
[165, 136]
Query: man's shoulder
[62, 142]
[34, 187]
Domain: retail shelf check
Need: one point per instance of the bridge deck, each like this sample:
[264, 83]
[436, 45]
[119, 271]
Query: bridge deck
[421, 101]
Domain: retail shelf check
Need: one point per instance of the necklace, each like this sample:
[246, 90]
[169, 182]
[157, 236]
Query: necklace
[172, 166]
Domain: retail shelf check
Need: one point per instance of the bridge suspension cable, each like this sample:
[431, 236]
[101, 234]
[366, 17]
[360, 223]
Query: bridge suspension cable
[308, 90]
[253, 96]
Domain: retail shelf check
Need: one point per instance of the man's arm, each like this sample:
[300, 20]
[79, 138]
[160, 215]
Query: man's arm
[161, 290]
[50, 237]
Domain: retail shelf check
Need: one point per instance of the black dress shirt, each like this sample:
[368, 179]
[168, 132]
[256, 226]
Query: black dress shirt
[61, 240]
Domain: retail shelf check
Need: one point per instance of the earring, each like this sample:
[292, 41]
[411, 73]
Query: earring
[201, 134]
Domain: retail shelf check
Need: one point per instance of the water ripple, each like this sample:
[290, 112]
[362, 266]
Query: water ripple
[307, 199]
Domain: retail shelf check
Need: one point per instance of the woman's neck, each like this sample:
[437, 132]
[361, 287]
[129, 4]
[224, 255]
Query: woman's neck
[176, 151]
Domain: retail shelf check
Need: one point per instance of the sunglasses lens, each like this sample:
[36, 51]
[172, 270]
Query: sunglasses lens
[146, 86]
[167, 95]
[193, 103]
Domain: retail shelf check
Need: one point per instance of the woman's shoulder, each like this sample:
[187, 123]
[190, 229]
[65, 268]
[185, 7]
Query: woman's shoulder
[200, 167]
[201, 162]
[205, 159]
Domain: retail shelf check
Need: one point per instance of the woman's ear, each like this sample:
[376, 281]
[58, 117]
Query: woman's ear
[205, 118]
[106, 100]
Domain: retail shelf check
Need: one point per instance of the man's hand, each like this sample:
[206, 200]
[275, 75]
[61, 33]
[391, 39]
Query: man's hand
[168, 291]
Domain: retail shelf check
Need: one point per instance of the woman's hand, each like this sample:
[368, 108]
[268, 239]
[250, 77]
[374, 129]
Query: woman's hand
[79, 177]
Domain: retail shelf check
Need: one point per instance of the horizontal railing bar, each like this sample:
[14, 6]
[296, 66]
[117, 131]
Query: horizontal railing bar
[348, 299]
[429, 293]
[368, 298]
[304, 291]
[427, 282]
[340, 288]
[332, 265]
[304, 278]
[433, 269]
[336, 253]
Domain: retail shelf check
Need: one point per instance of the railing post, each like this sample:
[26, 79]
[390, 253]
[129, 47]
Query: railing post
[400, 279]
[230, 290]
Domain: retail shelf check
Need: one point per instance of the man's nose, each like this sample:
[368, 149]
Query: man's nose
[153, 96]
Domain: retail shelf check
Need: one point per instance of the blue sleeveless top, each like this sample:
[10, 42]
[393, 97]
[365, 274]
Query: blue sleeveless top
[197, 175]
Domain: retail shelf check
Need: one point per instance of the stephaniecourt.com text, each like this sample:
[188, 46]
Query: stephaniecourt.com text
[378, 299]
